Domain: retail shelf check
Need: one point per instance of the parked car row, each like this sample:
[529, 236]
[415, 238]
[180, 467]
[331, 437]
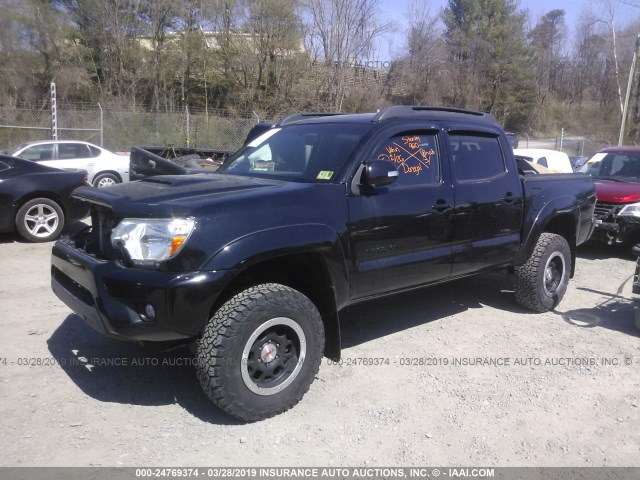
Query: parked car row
[103, 167]
[37, 178]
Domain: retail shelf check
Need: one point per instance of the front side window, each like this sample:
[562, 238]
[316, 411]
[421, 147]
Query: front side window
[38, 152]
[416, 157]
[476, 157]
[312, 153]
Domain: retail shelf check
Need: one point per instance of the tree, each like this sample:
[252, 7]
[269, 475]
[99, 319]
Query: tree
[488, 50]
[423, 65]
[546, 41]
[340, 33]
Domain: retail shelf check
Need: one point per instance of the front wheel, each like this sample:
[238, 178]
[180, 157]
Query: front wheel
[261, 351]
[40, 220]
[542, 281]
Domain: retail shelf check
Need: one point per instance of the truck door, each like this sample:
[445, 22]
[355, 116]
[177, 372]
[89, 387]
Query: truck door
[399, 235]
[488, 202]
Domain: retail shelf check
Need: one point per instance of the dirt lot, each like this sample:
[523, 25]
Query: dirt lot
[540, 406]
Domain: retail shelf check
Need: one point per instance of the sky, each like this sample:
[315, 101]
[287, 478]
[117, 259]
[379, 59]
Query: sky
[396, 10]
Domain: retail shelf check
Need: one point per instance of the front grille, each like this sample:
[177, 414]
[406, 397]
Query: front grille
[96, 241]
[104, 221]
[604, 210]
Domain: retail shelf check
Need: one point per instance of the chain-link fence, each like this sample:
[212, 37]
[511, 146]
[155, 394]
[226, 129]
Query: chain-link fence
[573, 146]
[119, 130]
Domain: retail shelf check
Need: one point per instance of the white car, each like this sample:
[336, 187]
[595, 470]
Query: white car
[557, 162]
[103, 167]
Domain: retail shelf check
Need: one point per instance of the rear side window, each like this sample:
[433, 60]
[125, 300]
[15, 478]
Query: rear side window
[94, 151]
[416, 157]
[67, 151]
[476, 157]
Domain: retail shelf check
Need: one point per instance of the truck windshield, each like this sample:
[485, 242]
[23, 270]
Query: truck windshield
[311, 153]
[620, 166]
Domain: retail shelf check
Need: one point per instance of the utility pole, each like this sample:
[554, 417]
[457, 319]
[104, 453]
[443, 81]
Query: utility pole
[629, 86]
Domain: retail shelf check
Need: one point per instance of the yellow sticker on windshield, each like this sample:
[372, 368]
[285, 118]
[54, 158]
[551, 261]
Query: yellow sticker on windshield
[593, 161]
[325, 175]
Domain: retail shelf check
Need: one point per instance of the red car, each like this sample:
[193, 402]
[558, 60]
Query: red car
[616, 174]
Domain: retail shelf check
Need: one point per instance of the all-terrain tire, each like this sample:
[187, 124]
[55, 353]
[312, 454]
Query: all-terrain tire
[542, 281]
[242, 344]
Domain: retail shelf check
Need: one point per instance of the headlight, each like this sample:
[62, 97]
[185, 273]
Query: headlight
[631, 210]
[152, 240]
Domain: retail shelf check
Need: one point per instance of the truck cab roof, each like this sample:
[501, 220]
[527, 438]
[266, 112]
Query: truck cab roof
[393, 112]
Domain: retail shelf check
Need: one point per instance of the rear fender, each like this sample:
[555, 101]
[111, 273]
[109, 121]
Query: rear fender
[540, 219]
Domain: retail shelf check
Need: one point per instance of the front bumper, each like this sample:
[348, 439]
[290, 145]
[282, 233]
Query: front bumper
[621, 231]
[112, 298]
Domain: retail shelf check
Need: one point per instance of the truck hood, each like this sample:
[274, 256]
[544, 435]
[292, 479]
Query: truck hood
[610, 191]
[181, 194]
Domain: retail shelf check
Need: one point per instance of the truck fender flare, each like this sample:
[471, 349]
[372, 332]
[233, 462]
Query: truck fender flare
[269, 244]
[274, 242]
[535, 226]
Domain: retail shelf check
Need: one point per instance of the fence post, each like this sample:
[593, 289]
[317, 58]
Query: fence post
[561, 139]
[101, 125]
[54, 113]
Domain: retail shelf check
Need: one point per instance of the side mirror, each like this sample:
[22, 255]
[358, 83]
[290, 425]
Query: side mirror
[378, 173]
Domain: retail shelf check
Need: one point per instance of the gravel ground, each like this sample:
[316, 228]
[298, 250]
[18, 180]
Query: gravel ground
[465, 377]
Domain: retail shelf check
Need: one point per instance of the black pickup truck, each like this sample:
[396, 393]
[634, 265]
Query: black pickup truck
[253, 264]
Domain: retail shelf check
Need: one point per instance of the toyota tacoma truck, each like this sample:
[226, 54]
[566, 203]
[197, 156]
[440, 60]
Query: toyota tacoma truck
[254, 264]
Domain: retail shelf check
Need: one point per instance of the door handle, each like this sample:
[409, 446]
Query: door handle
[509, 198]
[442, 206]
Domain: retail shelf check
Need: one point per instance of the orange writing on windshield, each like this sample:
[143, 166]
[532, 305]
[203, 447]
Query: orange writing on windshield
[409, 154]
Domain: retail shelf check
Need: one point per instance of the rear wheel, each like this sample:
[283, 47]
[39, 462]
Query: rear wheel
[40, 220]
[260, 352]
[542, 281]
[105, 180]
